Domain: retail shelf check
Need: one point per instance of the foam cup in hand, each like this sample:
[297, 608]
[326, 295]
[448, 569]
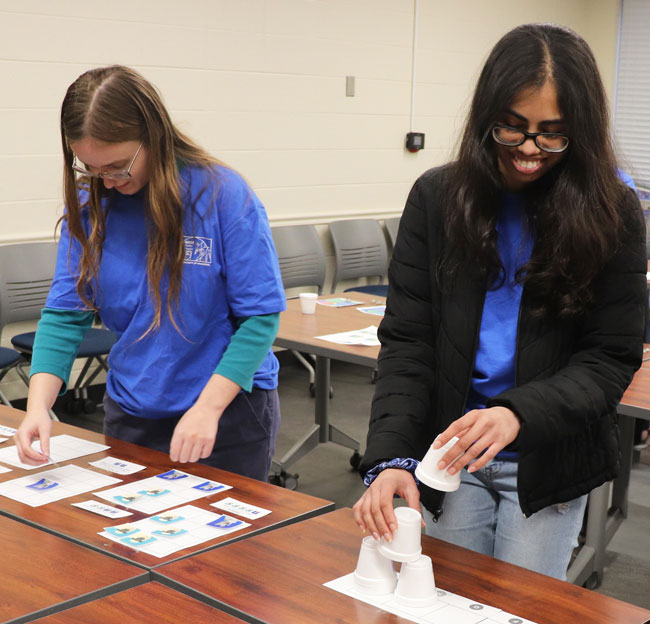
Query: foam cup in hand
[374, 574]
[416, 586]
[406, 544]
[429, 473]
[308, 302]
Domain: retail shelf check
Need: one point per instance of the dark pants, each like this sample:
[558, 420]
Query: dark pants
[245, 440]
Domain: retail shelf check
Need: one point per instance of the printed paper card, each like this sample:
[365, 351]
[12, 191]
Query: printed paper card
[239, 508]
[337, 302]
[7, 431]
[169, 489]
[56, 484]
[170, 531]
[379, 310]
[118, 466]
[102, 509]
[62, 448]
[366, 337]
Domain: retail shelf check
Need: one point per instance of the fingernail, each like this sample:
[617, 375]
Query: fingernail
[441, 465]
[436, 444]
[387, 537]
[363, 529]
[452, 470]
[376, 536]
[393, 527]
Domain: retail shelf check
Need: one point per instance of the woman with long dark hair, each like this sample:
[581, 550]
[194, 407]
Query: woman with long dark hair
[515, 314]
[174, 251]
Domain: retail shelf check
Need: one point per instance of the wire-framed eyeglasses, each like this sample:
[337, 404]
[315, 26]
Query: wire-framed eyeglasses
[108, 175]
[546, 141]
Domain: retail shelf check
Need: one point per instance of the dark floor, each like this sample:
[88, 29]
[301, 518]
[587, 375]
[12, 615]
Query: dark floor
[326, 471]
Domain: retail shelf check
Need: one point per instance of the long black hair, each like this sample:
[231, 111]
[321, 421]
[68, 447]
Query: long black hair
[575, 206]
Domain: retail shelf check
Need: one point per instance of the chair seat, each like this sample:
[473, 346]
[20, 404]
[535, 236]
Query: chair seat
[380, 290]
[95, 342]
[8, 357]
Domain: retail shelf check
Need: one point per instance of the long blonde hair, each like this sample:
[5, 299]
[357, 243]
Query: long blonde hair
[116, 104]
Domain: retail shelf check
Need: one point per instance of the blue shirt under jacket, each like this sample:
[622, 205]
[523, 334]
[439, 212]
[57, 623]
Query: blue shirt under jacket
[230, 272]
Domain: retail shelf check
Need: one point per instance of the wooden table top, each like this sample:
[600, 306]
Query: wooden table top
[40, 571]
[83, 526]
[298, 331]
[278, 578]
[145, 604]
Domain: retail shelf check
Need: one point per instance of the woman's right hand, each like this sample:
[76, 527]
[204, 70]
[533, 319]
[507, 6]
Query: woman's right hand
[37, 425]
[374, 510]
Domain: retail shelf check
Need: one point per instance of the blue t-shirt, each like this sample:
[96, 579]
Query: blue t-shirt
[494, 365]
[230, 271]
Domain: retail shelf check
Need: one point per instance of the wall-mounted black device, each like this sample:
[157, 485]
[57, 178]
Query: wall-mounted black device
[415, 141]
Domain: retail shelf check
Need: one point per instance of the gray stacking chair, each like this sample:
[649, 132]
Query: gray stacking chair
[392, 226]
[8, 361]
[302, 265]
[26, 273]
[361, 251]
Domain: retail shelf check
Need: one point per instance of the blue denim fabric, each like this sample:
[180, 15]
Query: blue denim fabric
[484, 515]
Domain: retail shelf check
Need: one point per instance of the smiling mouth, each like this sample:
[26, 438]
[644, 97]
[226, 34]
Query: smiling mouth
[527, 166]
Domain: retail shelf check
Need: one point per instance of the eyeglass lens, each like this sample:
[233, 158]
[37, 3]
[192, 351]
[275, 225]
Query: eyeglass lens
[546, 141]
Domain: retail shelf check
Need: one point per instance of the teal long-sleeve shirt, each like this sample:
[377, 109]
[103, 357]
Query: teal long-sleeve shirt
[60, 333]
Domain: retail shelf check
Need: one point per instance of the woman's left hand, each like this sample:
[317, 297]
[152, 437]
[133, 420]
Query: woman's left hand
[482, 432]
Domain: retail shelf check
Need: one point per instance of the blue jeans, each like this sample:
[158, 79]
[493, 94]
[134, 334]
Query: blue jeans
[484, 515]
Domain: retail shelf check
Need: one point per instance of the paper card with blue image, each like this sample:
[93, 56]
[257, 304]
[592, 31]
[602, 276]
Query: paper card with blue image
[170, 532]
[191, 529]
[154, 492]
[209, 486]
[138, 539]
[122, 530]
[43, 484]
[162, 492]
[172, 475]
[128, 498]
[225, 522]
[167, 518]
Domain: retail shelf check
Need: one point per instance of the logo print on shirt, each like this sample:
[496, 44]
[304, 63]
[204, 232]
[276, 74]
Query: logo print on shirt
[198, 250]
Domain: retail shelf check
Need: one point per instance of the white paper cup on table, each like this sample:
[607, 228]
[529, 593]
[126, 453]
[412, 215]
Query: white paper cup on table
[429, 473]
[374, 574]
[308, 302]
[406, 544]
[416, 586]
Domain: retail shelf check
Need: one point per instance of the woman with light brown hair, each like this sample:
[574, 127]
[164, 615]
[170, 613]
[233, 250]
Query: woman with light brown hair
[173, 250]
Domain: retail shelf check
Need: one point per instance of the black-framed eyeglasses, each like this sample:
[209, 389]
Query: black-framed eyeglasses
[117, 175]
[546, 141]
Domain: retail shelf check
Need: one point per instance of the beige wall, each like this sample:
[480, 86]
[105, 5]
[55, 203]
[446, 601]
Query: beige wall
[261, 84]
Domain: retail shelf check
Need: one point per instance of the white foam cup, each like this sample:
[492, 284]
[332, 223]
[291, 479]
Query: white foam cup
[374, 574]
[308, 302]
[416, 586]
[429, 473]
[406, 544]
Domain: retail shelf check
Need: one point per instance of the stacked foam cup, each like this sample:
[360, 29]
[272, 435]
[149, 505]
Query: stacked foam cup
[375, 575]
[416, 586]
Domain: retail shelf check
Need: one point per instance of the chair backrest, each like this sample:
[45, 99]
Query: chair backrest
[392, 225]
[301, 255]
[360, 250]
[26, 273]
[647, 237]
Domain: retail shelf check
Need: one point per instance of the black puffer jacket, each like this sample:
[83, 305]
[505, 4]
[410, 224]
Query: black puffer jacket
[570, 374]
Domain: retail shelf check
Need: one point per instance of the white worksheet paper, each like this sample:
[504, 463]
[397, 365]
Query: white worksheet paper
[171, 531]
[6, 431]
[163, 491]
[102, 509]
[232, 505]
[449, 608]
[366, 337]
[55, 484]
[62, 448]
[118, 466]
